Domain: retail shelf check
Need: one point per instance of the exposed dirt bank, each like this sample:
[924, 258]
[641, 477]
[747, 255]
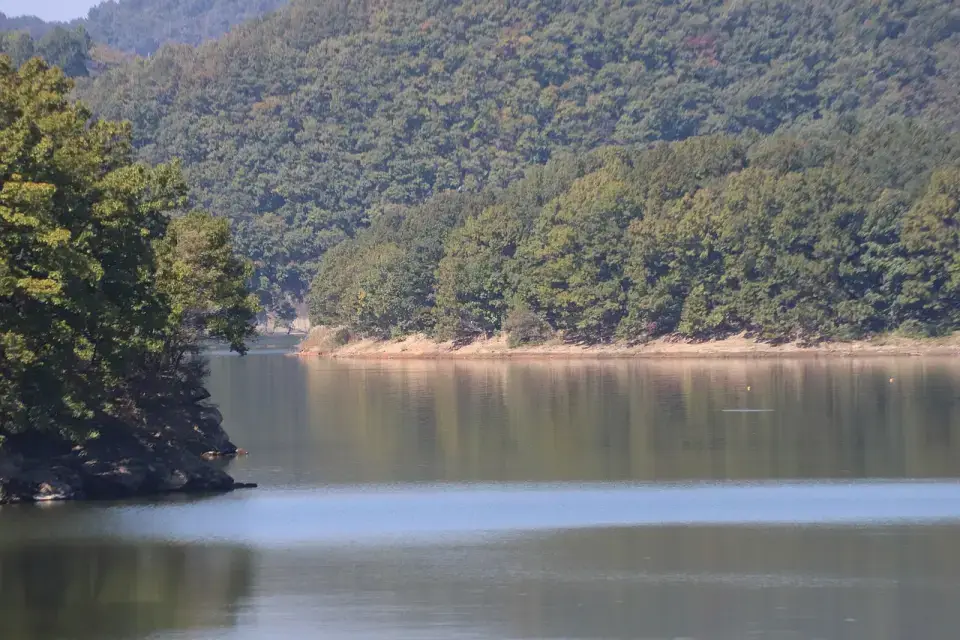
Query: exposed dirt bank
[323, 341]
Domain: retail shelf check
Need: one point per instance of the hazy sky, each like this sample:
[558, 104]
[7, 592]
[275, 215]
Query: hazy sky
[48, 9]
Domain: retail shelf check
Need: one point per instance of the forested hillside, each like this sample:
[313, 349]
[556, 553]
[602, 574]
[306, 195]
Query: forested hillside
[835, 234]
[309, 124]
[143, 26]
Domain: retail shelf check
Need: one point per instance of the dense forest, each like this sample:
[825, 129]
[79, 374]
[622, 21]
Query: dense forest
[105, 296]
[305, 127]
[64, 48]
[837, 233]
[143, 26]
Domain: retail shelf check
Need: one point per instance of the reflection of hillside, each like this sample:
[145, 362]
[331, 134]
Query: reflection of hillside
[719, 583]
[577, 420]
[264, 400]
[118, 590]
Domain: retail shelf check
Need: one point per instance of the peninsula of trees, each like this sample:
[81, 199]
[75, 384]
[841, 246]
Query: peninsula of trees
[108, 285]
[831, 236]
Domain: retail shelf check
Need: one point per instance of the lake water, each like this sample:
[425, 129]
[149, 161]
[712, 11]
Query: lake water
[655, 499]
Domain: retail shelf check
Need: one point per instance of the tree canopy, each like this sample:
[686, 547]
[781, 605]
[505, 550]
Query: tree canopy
[779, 237]
[64, 48]
[94, 320]
[305, 126]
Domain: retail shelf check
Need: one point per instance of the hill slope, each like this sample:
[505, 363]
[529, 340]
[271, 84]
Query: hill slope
[307, 124]
[142, 26]
[31, 24]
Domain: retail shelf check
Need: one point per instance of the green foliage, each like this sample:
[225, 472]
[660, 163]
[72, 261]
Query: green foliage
[478, 270]
[572, 261]
[523, 326]
[67, 49]
[383, 283]
[205, 283]
[472, 277]
[96, 316]
[759, 251]
[781, 237]
[930, 294]
[302, 126]
[387, 296]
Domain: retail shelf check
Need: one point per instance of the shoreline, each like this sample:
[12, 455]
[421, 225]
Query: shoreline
[419, 347]
[183, 452]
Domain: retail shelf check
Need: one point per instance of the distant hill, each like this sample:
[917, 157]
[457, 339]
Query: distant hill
[309, 123]
[142, 26]
[36, 27]
[64, 47]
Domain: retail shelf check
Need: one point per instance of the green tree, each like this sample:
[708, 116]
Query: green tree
[69, 50]
[930, 293]
[18, 45]
[93, 309]
[479, 274]
[205, 283]
[573, 260]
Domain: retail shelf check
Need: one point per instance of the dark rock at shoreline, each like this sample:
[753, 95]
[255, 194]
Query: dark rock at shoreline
[123, 462]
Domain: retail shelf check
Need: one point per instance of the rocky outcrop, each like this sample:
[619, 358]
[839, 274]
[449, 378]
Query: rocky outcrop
[182, 455]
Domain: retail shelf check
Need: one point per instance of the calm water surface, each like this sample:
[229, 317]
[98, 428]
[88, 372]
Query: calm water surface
[530, 499]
